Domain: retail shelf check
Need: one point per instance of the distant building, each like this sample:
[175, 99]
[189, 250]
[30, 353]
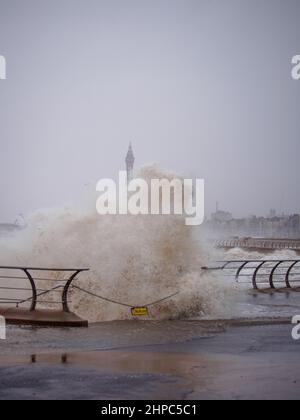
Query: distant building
[220, 215]
[130, 159]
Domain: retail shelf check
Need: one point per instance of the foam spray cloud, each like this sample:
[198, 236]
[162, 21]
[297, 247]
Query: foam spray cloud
[132, 259]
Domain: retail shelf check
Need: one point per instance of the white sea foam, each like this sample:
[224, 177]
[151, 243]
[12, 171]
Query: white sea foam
[133, 259]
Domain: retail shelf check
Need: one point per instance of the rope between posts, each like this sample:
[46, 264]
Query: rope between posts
[162, 300]
[21, 302]
[121, 303]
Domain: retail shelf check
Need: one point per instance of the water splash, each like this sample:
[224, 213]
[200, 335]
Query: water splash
[132, 259]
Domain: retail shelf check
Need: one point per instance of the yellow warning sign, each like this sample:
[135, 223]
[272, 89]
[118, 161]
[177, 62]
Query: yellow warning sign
[142, 311]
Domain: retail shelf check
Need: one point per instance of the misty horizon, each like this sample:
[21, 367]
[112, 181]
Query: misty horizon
[202, 88]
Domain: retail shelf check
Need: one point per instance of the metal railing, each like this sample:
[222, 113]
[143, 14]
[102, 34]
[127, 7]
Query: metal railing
[259, 243]
[31, 276]
[262, 274]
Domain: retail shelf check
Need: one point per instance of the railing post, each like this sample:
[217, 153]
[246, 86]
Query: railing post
[34, 291]
[254, 282]
[240, 269]
[66, 290]
[271, 279]
[287, 277]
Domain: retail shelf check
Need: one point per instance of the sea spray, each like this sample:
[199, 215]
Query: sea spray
[244, 254]
[132, 259]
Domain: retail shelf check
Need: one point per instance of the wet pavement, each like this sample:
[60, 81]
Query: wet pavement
[248, 355]
[258, 362]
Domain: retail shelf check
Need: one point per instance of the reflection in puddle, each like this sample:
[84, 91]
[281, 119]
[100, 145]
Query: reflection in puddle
[181, 369]
[117, 361]
[63, 359]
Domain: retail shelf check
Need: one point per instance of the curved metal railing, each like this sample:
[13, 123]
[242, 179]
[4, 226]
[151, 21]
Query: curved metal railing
[12, 293]
[262, 274]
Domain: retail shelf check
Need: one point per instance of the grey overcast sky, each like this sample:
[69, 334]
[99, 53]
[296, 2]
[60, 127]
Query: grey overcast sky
[202, 87]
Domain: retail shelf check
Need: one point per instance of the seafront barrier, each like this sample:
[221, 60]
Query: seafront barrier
[259, 243]
[25, 289]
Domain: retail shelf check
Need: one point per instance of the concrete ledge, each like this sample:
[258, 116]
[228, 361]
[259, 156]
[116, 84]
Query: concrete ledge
[42, 317]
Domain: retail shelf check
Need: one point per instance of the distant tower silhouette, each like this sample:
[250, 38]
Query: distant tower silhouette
[129, 163]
